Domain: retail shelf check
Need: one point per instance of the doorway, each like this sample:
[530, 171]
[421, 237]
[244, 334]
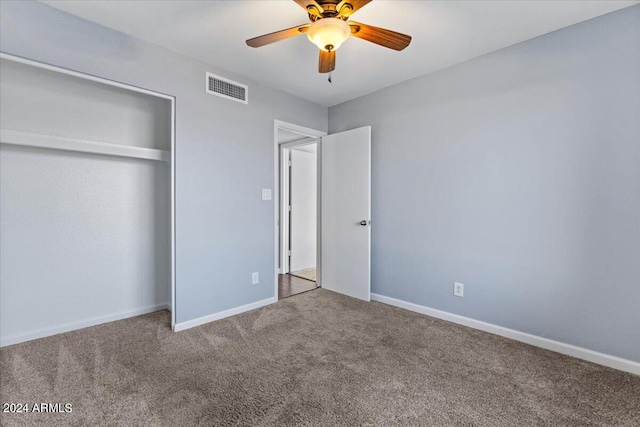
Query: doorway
[343, 208]
[297, 209]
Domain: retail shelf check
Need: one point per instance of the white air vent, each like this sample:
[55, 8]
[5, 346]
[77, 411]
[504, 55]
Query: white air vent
[226, 88]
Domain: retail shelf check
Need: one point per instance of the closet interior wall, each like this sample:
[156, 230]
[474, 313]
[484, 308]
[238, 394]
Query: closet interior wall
[85, 236]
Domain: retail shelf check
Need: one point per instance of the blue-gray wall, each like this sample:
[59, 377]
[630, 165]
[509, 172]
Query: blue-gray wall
[224, 150]
[518, 174]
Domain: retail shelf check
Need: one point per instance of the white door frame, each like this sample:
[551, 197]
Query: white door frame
[307, 136]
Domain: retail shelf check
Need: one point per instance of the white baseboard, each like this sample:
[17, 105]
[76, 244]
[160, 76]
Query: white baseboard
[222, 314]
[72, 326]
[557, 346]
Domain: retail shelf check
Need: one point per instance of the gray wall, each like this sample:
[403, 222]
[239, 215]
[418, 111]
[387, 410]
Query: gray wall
[224, 150]
[518, 174]
[83, 236]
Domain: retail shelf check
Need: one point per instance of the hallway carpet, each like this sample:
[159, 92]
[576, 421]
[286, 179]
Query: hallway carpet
[315, 359]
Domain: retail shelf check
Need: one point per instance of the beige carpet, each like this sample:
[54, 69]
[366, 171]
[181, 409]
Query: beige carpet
[309, 274]
[315, 359]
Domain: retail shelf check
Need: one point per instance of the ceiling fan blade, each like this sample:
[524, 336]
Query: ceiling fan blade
[347, 7]
[311, 6]
[277, 36]
[381, 36]
[327, 61]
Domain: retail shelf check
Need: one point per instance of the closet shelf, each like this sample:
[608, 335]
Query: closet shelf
[28, 139]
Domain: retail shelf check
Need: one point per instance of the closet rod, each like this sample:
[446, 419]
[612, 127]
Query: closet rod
[28, 139]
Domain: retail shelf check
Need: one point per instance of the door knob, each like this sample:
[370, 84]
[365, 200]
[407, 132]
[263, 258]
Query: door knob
[363, 223]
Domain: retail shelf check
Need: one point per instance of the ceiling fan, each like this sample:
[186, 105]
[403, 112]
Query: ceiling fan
[330, 27]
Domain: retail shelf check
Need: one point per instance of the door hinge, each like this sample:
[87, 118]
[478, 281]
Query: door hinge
[290, 163]
[289, 252]
[289, 208]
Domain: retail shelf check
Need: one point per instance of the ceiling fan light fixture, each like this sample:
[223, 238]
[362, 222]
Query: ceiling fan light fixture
[328, 33]
[329, 29]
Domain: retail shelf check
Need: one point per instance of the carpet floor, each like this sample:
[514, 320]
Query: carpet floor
[315, 359]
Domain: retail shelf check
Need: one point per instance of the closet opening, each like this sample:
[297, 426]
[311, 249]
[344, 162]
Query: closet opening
[86, 199]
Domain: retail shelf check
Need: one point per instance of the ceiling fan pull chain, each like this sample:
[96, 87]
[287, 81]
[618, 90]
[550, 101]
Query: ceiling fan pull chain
[329, 79]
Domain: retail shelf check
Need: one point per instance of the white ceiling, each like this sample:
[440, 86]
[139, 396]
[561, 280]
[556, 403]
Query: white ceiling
[444, 33]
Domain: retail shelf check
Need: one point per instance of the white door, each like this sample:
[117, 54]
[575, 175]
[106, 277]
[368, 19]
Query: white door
[346, 212]
[303, 197]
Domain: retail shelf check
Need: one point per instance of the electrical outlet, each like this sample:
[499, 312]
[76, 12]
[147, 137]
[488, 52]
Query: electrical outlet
[458, 289]
[266, 194]
[255, 278]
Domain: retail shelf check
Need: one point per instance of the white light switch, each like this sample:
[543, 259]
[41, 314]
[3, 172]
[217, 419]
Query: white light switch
[255, 278]
[266, 194]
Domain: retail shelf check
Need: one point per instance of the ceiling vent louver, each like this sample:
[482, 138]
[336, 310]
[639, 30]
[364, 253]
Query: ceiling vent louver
[226, 88]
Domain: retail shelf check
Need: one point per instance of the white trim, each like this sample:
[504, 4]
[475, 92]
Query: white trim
[304, 132]
[299, 142]
[548, 344]
[172, 268]
[72, 326]
[222, 314]
[28, 139]
[285, 157]
[84, 76]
